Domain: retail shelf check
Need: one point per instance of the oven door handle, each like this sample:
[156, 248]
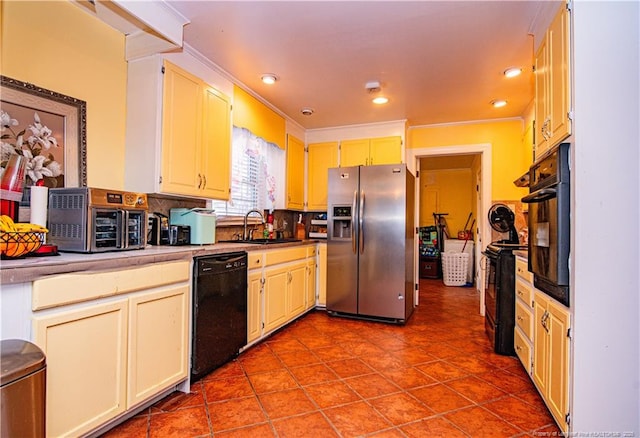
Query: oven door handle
[540, 195]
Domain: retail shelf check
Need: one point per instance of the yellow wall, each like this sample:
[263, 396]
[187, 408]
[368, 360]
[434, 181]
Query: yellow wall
[451, 189]
[250, 113]
[57, 46]
[509, 158]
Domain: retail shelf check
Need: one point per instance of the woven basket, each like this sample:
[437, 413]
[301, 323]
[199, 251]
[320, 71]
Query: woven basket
[18, 244]
[454, 268]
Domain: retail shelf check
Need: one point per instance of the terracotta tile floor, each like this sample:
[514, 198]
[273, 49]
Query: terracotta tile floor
[333, 377]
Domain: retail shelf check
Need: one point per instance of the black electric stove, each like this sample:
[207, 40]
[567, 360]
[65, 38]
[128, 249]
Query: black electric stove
[500, 297]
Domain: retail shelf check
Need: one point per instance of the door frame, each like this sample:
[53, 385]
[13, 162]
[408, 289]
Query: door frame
[484, 231]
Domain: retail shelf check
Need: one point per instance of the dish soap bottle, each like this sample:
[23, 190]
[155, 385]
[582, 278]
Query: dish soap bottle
[300, 231]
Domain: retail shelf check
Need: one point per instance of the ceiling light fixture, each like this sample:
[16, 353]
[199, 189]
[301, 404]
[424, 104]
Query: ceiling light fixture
[306, 111]
[498, 103]
[269, 78]
[512, 72]
[380, 100]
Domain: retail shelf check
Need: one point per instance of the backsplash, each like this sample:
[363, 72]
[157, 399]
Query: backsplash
[284, 220]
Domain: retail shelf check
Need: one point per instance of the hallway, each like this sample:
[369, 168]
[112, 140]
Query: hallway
[323, 376]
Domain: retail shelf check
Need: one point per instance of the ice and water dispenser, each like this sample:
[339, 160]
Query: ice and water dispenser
[341, 222]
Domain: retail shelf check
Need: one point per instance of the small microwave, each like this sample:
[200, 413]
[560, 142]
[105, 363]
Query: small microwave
[91, 220]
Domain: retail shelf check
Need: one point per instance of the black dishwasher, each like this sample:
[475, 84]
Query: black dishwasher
[219, 310]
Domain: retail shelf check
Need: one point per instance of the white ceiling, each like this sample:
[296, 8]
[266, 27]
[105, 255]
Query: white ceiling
[437, 61]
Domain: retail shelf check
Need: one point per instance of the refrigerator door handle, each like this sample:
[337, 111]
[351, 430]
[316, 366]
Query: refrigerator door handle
[361, 216]
[354, 246]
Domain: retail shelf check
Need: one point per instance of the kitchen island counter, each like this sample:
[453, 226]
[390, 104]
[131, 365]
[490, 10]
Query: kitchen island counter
[32, 268]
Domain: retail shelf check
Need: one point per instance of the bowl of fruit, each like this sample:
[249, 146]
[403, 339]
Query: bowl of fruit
[19, 239]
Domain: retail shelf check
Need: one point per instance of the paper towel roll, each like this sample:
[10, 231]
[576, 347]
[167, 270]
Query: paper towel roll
[39, 201]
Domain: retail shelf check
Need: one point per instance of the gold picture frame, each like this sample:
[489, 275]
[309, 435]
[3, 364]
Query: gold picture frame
[68, 114]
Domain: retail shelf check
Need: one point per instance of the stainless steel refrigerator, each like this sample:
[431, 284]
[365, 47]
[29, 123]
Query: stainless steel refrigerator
[370, 242]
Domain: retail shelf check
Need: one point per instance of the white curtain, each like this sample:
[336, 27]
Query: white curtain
[257, 175]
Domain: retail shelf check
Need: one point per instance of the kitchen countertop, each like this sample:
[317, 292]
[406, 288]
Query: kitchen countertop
[521, 253]
[31, 268]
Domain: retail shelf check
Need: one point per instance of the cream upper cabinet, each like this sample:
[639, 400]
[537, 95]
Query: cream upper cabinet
[215, 156]
[551, 355]
[367, 152]
[295, 173]
[354, 152]
[553, 89]
[178, 138]
[322, 156]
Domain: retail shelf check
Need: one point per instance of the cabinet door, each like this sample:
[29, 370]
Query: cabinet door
[295, 173]
[297, 289]
[86, 366]
[558, 377]
[275, 297]
[181, 131]
[385, 150]
[322, 156]
[540, 342]
[311, 284]
[158, 341]
[216, 145]
[254, 306]
[558, 44]
[354, 153]
[541, 99]
[322, 274]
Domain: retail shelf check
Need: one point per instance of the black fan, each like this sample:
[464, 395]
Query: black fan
[502, 220]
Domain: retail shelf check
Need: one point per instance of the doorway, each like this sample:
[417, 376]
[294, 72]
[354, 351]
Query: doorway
[483, 177]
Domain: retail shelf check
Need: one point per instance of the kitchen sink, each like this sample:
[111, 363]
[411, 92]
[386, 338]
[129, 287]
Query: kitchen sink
[262, 241]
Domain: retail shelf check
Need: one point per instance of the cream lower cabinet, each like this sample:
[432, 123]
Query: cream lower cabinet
[551, 355]
[322, 275]
[281, 287]
[86, 353]
[523, 331]
[158, 342]
[112, 341]
[284, 294]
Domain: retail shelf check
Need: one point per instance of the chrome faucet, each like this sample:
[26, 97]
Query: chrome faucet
[246, 236]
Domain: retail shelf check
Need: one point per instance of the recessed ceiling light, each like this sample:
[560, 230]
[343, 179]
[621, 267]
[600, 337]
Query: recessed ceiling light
[269, 78]
[306, 111]
[498, 103]
[512, 72]
[380, 100]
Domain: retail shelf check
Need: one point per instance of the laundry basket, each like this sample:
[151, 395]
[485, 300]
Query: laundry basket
[454, 268]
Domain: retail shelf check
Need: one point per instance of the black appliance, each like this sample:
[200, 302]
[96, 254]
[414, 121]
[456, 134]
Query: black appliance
[219, 311]
[499, 296]
[158, 229]
[549, 223]
[179, 235]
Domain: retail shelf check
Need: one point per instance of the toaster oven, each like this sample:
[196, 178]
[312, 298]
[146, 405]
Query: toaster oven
[90, 220]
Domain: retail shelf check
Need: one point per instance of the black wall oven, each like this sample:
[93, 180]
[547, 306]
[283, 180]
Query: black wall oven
[549, 223]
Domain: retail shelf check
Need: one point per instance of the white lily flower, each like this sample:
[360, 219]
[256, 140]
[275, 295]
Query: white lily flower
[36, 170]
[41, 134]
[6, 120]
[6, 150]
[55, 168]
